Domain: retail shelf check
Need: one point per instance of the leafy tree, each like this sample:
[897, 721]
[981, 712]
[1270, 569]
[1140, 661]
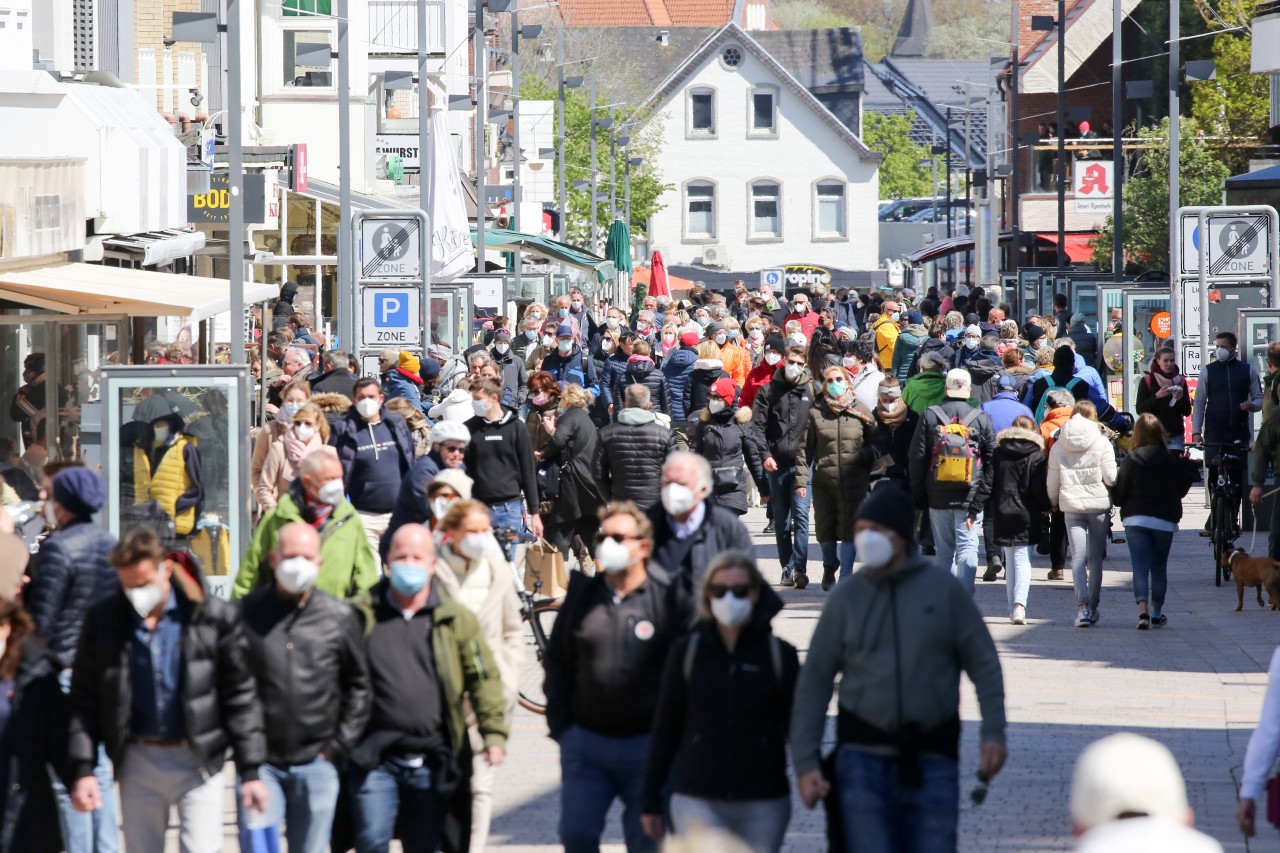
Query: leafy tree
[900, 172]
[879, 21]
[969, 29]
[1146, 194]
[806, 15]
[1236, 104]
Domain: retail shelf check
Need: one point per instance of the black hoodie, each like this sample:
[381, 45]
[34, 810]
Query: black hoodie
[1152, 482]
[642, 372]
[1018, 488]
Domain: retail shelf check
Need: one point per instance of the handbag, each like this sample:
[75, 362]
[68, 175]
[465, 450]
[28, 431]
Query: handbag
[548, 481]
[727, 479]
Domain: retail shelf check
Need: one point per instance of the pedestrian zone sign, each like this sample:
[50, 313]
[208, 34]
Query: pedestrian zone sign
[390, 249]
[1238, 245]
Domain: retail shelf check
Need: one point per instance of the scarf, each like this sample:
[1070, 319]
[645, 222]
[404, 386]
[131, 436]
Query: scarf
[295, 448]
[844, 403]
[1164, 380]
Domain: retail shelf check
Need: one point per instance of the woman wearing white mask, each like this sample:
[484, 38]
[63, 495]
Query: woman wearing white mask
[294, 396]
[473, 571]
[722, 437]
[308, 431]
[728, 684]
[859, 360]
[446, 489]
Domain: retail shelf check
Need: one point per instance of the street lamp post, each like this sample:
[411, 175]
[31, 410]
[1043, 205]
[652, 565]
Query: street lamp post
[592, 223]
[631, 161]
[613, 171]
[482, 108]
[1062, 142]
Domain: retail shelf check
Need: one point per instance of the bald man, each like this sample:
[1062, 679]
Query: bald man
[418, 725]
[306, 651]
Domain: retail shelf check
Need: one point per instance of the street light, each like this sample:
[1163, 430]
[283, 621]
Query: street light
[562, 83]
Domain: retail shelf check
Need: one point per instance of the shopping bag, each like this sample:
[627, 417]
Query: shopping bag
[544, 562]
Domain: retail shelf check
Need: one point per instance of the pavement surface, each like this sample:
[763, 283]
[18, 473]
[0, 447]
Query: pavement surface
[1196, 686]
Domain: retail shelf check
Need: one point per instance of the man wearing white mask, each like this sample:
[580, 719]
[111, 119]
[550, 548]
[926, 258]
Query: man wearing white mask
[317, 498]
[307, 654]
[689, 528]
[604, 665]
[896, 763]
[1228, 391]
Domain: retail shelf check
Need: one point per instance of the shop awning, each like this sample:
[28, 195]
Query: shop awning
[154, 247]
[947, 246]
[94, 289]
[544, 247]
[1077, 248]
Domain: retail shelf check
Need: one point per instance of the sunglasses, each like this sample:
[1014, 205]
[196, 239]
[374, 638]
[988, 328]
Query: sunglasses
[454, 448]
[740, 590]
[616, 537]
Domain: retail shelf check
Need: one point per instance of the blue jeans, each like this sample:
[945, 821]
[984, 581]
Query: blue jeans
[1087, 534]
[509, 514]
[303, 797]
[880, 813]
[790, 514]
[838, 553]
[379, 796]
[956, 544]
[1149, 552]
[594, 770]
[96, 832]
[1017, 574]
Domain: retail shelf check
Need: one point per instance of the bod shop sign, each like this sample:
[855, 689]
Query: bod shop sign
[214, 207]
[797, 275]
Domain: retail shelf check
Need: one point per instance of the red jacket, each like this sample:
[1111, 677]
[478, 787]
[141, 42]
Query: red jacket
[756, 379]
[808, 322]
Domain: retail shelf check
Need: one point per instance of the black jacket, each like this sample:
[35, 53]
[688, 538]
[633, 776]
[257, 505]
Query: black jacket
[515, 380]
[778, 417]
[411, 501]
[720, 731]
[1152, 481]
[1018, 488]
[313, 681]
[721, 530]
[725, 441]
[705, 372]
[72, 572]
[629, 458]
[896, 443]
[1172, 418]
[219, 695]
[33, 741]
[984, 371]
[336, 381]
[500, 461]
[574, 448]
[644, 373]
[938, 345]
[925, 488]
[1086, 343]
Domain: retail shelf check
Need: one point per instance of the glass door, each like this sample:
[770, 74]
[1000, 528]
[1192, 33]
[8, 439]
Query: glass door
[1259, 327]
[444, 316]
[462, 312]
[1147, 329]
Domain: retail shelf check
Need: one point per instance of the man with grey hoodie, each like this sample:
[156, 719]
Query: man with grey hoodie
[899, 631]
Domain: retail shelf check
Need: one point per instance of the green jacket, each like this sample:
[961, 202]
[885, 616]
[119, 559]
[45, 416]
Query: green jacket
[464, 665]
[1270, 393]
[1266, 451]
[927, 388]
[347, 563]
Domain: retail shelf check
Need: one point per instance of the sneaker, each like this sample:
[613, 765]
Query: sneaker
[828, 578]
[768, 528]
[1019, 615]
[802, 580]
[1054, 575]
[1094, 616]
[1159, 620]
[787, 578]
[1144, 621]
[995, 565]
[1083, 619]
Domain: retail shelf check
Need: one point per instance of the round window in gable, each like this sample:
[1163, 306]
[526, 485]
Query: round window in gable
[731, 57]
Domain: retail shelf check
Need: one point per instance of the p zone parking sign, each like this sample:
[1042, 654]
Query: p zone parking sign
[392, 316]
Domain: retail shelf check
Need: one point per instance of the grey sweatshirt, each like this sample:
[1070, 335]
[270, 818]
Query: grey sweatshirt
[941, 633]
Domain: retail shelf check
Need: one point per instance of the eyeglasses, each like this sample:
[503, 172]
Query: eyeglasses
[616, 537]
[453, 448]
[739, 590]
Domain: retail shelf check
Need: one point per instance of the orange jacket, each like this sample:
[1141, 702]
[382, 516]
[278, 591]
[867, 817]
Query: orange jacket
[1053, 420]
[737, 363]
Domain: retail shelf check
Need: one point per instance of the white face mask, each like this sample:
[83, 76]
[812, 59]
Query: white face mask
[891, 406]
[802, 308]
[332, 493]
[291, 409]
[296, 575]
[502, 348]
[875, 549]
[304, 432]
[793, 372]
[798, 340]
[721, 338]
[677, 499]
[606, 345]
[1222, 354]
[144, 598]
[971, 343]
[731, 611]
[548, 341]
[613, 556]
[480, 407]
[368, 407]
[473, 545]
[162, 433]
[850, 363]
[612, 323]
[772, 358]
[756, 335]
[715, 405]
[440, 506]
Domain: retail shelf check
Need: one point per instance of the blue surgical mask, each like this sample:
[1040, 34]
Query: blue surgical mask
[835, 389]
[531, 334]
[408, 578]
[564, 312]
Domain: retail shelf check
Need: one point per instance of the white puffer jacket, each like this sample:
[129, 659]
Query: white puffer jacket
[1082, 465]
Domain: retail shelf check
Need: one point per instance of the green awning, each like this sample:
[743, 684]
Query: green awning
[504, 240]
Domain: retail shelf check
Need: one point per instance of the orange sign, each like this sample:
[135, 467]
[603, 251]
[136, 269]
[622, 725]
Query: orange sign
[1162, 325]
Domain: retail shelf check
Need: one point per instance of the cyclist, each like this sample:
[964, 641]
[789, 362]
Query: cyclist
[1227, 392]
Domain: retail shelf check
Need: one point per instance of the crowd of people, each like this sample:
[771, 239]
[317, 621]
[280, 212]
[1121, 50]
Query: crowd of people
[363, 677]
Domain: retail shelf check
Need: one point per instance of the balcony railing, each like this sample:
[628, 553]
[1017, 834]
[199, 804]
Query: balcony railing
[393, 27]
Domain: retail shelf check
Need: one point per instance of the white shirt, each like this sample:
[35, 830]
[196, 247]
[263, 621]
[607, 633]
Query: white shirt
[1263, 744]
[685, 529]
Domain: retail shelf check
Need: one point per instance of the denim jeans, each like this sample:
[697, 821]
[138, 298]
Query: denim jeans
[509, 514]
[840, 554]
[790, 514]
[96, 832]
[379, 795]
[1149, 553]
[760, 824]
[957, 545]
[1087, 533]
[303, 797]
[594, 770]
[1017, 574]
[880, 813]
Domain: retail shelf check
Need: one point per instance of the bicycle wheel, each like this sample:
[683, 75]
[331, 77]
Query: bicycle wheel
[535, 638]
[1218, 527]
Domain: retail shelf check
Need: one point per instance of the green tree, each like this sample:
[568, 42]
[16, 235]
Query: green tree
[806, 15]
[900, 172]
[1236, 104]
[1146, 194]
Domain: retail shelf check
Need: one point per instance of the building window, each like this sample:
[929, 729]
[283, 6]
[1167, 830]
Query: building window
[302, 8]
[702, 113]
[731, 57]
[763, 105]
[311, 68]
[700, 206]
[47, 212]
[829, 200]
[766, 210]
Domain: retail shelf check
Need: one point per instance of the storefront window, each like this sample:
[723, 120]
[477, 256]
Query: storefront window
[297, 8]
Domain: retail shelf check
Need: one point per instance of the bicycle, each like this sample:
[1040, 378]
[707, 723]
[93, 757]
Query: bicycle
[539, 616]
[1223, 529]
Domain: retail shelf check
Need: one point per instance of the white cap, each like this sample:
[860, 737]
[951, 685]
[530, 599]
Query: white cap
[1126, 774]
[448, 430]
[959, 384]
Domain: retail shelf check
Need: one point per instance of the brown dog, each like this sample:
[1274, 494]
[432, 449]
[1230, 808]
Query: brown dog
[1253, 572]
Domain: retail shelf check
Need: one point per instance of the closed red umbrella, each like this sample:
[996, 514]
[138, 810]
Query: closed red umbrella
[658, 278]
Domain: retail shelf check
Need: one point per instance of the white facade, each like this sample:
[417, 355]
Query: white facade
[768, 181]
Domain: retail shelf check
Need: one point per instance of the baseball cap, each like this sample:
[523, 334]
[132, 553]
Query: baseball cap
[959, 384]
[689, 339]
[564, 330]
[1007, 382]
[1126, 774]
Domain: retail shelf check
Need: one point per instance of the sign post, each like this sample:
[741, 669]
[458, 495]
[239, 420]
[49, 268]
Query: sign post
[392, 282]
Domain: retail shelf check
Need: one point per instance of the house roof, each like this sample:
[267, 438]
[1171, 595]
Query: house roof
[821, 60]
[633, 56]
[924, 87]
[1088, 26]
[731, 32]
[913, 35]
[645, 13]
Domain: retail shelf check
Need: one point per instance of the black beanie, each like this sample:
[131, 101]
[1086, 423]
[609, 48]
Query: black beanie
[776, 343]
[889, 505]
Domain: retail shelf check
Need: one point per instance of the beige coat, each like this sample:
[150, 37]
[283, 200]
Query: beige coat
[277, 473]
[265, 490]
